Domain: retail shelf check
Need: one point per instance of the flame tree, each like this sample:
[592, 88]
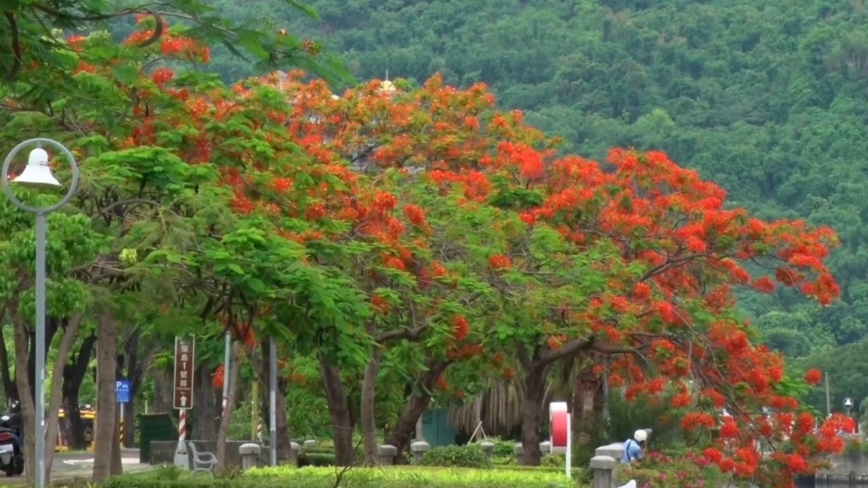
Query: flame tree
[670, 251]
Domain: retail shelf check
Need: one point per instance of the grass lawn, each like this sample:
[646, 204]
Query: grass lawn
[356, 477]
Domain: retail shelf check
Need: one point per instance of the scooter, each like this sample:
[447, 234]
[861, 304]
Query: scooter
[11, 457]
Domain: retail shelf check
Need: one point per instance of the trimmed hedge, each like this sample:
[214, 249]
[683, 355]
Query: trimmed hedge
[357, 477]
[471, 456]
[317, 459]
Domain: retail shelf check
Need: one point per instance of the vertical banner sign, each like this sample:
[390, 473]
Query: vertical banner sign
[184, 363]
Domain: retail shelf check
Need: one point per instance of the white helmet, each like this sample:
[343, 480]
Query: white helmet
[640, 436]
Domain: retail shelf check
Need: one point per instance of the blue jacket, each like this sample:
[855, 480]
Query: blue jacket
[632, 451]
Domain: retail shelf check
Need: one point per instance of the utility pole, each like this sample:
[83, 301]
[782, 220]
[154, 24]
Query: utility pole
[828, 397]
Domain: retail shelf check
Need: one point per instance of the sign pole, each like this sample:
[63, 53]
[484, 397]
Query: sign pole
[181, 459]
[569, 453]
[121, 426]
[254, 411]
[227, 360]
[272, 397]
[185, 355]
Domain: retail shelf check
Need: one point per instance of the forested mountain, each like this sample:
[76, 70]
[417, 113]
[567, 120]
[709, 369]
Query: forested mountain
[768, 98]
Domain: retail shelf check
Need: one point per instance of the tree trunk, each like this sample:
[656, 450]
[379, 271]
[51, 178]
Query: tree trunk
[9, 387]
[339, 408]
[368, 407]
[163, 391]
[25, 371]
[28, 410]
[116, 467]
[284, 449]
[137, 363]
[587, 403]
[73, 377]
[281, 415]
[536, 364]
[51, 326]
[127, 360]
[405, 428]
[129, 421]
[226, 419]
[53, 408]
[205, 408]
[106, 376]
[577, 403]
[534, 395]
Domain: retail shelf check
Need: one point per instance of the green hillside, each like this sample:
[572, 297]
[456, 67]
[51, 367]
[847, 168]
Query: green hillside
[769, 99]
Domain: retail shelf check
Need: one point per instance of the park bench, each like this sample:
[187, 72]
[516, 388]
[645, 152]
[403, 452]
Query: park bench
[203, 462]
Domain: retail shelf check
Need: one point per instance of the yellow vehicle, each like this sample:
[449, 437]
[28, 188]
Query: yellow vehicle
[88, 417]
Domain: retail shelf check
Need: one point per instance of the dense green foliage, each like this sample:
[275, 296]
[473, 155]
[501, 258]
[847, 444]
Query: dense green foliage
[766, 98]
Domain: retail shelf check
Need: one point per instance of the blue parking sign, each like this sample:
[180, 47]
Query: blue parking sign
[124, 391]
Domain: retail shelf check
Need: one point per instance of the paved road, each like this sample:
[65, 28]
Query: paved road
[68, 466]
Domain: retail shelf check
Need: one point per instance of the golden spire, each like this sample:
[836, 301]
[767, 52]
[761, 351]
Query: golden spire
[386, 85]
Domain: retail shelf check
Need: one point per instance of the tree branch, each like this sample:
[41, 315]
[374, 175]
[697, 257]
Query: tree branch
[570, 348]
[413, 334]
[129, 201]
[15, 46]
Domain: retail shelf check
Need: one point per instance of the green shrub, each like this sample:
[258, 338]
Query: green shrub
[503, 453]
[317, 459]
[553, 461]
[320, 450]
[471, 456]
[502, 448]
[357, 477]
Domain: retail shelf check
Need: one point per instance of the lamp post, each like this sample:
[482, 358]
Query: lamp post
[38, 175]
[848, 404]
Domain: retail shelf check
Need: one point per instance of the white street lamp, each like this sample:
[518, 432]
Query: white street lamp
[848, 404]
[38, 175]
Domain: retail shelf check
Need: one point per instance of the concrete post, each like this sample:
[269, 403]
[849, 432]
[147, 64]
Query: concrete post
[604, 468]
[249, 455]
[418, 448]
[488, 449]
[294, 450]
[615, 450]
[387, 454]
